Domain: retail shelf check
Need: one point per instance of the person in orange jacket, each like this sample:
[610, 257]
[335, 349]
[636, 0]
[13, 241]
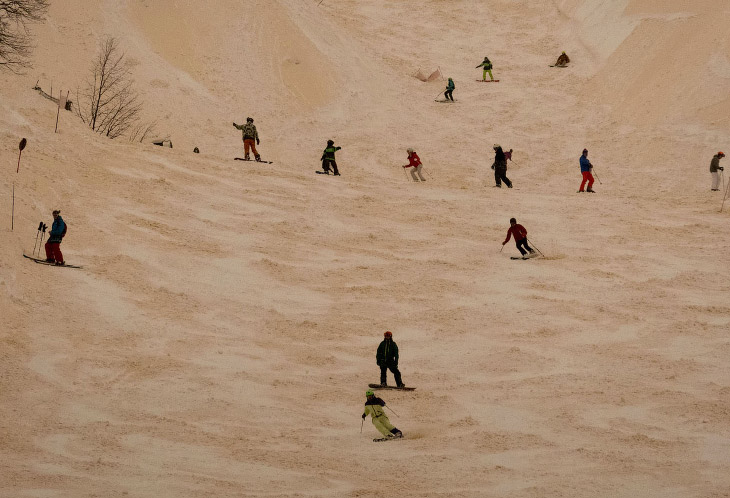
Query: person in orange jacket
[414, 162]
[520, 234]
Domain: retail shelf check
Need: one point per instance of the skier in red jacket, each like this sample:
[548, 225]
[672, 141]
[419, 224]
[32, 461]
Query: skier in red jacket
[520, 234]
[414, 162]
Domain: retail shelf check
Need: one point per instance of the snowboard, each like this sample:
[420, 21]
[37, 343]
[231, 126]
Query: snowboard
[378, 386]
[252, 160]
[488, 81]
[381, 439]
[44, 262]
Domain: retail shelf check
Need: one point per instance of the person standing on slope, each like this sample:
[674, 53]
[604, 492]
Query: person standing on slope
[415, 163]
[374, 408]
[500, 167]
[585, 170]
[563, 60]
[520, 234]
[250, 135]
[449, 89]
[714, 168]
[53, 246]
[328, 158]
[387, 358]
[487, 65]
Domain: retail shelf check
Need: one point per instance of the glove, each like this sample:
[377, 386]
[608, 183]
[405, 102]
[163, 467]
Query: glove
[503, 243]
[363, 416]
[258, 142]
[234, 124]
[721, 168]
[492, 166]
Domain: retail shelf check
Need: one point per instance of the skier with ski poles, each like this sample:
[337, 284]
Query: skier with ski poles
[487, 65]
[53, 246]
[520, 234]
[449, 89]
[714, 168]
[585, 170]
[250, 135]
[414, 162]
[374, 407]
[387, 358]
[500, 167]
[328, 158]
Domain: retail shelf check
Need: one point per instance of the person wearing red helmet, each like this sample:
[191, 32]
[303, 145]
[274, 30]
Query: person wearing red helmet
[714, 168]
[387, 358]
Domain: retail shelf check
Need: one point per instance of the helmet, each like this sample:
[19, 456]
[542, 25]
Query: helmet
[563, 52]
[721, 154]
[585, 150]
[369, 393]
[512, 220]
[249, 120]
[330, 142]
[388, 334]
[496, 146]
[409, 149]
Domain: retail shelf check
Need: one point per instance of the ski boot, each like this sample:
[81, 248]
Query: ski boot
[258, 158]
[246, 157]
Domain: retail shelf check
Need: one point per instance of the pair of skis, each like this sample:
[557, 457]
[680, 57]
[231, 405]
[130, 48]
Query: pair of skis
[49, 263]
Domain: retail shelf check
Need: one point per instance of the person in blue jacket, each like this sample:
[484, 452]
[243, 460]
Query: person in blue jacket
[585, 170]
[449, 88]
[53, 246]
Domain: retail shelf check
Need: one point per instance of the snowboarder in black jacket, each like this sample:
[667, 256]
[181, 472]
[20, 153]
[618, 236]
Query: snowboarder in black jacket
[387, 358]
[500, 167]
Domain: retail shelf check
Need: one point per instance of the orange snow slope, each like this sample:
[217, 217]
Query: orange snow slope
[221, 336]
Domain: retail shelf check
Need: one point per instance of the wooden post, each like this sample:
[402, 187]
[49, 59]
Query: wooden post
[59, 109]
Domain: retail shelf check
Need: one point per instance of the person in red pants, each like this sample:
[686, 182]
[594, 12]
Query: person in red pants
[53, 246]
[585, 170]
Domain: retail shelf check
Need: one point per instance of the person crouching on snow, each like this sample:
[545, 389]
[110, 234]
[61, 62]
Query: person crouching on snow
[415, 163]
[374, 408]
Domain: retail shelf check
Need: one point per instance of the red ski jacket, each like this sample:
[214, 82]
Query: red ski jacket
[518, 231]
[414, 160]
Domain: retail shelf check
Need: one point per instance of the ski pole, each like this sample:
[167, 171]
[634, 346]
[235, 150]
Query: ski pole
[405, 173]
[533, 245]
[43, 234]
[389, 408]
[594, 172]
[362, 422]
[500, 249]
[724, 196]
[441, 91]
[40, 226]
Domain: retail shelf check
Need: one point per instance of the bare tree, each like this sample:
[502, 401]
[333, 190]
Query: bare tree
[15, 40]
[142, 131]
[109, 104]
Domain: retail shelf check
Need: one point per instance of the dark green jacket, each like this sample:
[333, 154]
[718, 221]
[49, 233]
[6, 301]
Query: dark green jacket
[329, 153]
[487, 64]
[387, 353]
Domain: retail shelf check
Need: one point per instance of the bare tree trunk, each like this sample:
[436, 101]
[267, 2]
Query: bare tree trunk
[15, 39]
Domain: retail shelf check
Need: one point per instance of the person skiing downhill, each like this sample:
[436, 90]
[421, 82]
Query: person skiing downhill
[328, 158]
[250, 135]
[585, 170]
[714, 168]
[487, 65]
[387, 358]
[520, 234]
[415, 163]
[500, 167]
[53, 246]
[449, 89]
[374, 408]
[563, 60]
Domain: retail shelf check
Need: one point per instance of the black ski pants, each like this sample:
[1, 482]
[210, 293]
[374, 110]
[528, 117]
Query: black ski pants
[396, 373]
[326, 163]
[448, 96]
[500, 175]
[523, 243]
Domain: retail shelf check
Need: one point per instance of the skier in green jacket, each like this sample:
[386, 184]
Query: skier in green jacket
[449, 90]
[387, 358]
[374, 408]
[328, 158]
[487, 65]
